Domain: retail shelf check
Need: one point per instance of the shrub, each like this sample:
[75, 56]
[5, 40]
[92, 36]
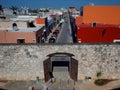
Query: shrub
[101, 82]
[99, 74]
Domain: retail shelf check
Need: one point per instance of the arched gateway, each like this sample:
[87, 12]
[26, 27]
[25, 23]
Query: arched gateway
[60, 59]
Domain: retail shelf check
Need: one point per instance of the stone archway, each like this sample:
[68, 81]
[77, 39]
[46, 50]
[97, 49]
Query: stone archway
[60, 59]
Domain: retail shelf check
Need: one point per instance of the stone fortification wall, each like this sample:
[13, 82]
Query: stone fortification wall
[25, 62]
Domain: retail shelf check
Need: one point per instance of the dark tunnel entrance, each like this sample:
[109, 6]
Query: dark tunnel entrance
[60, 64]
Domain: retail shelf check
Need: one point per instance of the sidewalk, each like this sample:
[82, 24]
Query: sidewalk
[80, 85]
[48, 37]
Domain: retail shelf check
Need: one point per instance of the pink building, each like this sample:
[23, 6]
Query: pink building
[29, 35]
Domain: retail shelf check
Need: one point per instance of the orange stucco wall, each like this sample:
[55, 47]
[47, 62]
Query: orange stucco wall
[78, 20]
[40, 20]
[2, 36]
[11, 37]
[101, 14]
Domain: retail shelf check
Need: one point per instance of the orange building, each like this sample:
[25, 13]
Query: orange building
[101, 14]
[40, 20]
[99, 24]
[78, 20]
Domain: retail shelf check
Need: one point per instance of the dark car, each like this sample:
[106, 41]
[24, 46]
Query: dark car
[52, 40]
[55, 34]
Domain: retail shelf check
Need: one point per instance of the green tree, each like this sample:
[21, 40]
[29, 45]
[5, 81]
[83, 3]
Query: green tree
[34, 11]
[14, 8]
[0, 7]
[99, 74]
[46, 10]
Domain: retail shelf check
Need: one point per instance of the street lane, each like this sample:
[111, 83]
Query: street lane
[64, 35]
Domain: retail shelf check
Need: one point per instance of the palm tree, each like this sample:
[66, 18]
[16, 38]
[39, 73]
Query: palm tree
[1, 10]
[14, 8]
[1, 7]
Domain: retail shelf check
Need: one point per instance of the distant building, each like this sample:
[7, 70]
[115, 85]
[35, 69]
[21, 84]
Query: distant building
[100, 14]
[9, 24]
[98, 33]
[21, 36]
[48, 22]
[24, 18]
[40, 21]
[74, 12]
[72, 9]
[6, 14]
[7, 11]
[23, 26]
[98, 24]
[20, 32]
[23, 11]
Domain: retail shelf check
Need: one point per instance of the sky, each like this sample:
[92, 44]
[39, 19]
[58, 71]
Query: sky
[57, 4]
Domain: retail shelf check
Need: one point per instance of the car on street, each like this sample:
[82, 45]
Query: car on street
[57, 30]
[55, 33]
[52, 39]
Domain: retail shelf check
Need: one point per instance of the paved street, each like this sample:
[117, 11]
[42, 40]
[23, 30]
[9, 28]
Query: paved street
[61, 73]
[80, 85]
[64, 36]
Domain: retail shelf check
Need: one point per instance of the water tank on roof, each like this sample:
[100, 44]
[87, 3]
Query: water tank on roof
[15, 27]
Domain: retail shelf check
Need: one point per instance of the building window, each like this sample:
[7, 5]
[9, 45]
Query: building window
[20, 41]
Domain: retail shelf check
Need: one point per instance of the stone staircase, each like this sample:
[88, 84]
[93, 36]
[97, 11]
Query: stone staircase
[62, 79]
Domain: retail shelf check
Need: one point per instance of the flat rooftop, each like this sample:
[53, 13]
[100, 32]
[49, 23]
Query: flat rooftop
[34, 29]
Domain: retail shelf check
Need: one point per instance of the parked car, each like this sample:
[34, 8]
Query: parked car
[55, 34]
[59, 26]
[57, 30]
[52, 40]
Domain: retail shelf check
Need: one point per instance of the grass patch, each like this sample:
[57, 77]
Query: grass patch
[101, 82]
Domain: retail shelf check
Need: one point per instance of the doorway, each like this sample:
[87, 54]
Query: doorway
[61, 62]
[20, 41]
[60, 70]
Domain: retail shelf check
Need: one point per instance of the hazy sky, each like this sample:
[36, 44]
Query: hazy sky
[56, 3]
